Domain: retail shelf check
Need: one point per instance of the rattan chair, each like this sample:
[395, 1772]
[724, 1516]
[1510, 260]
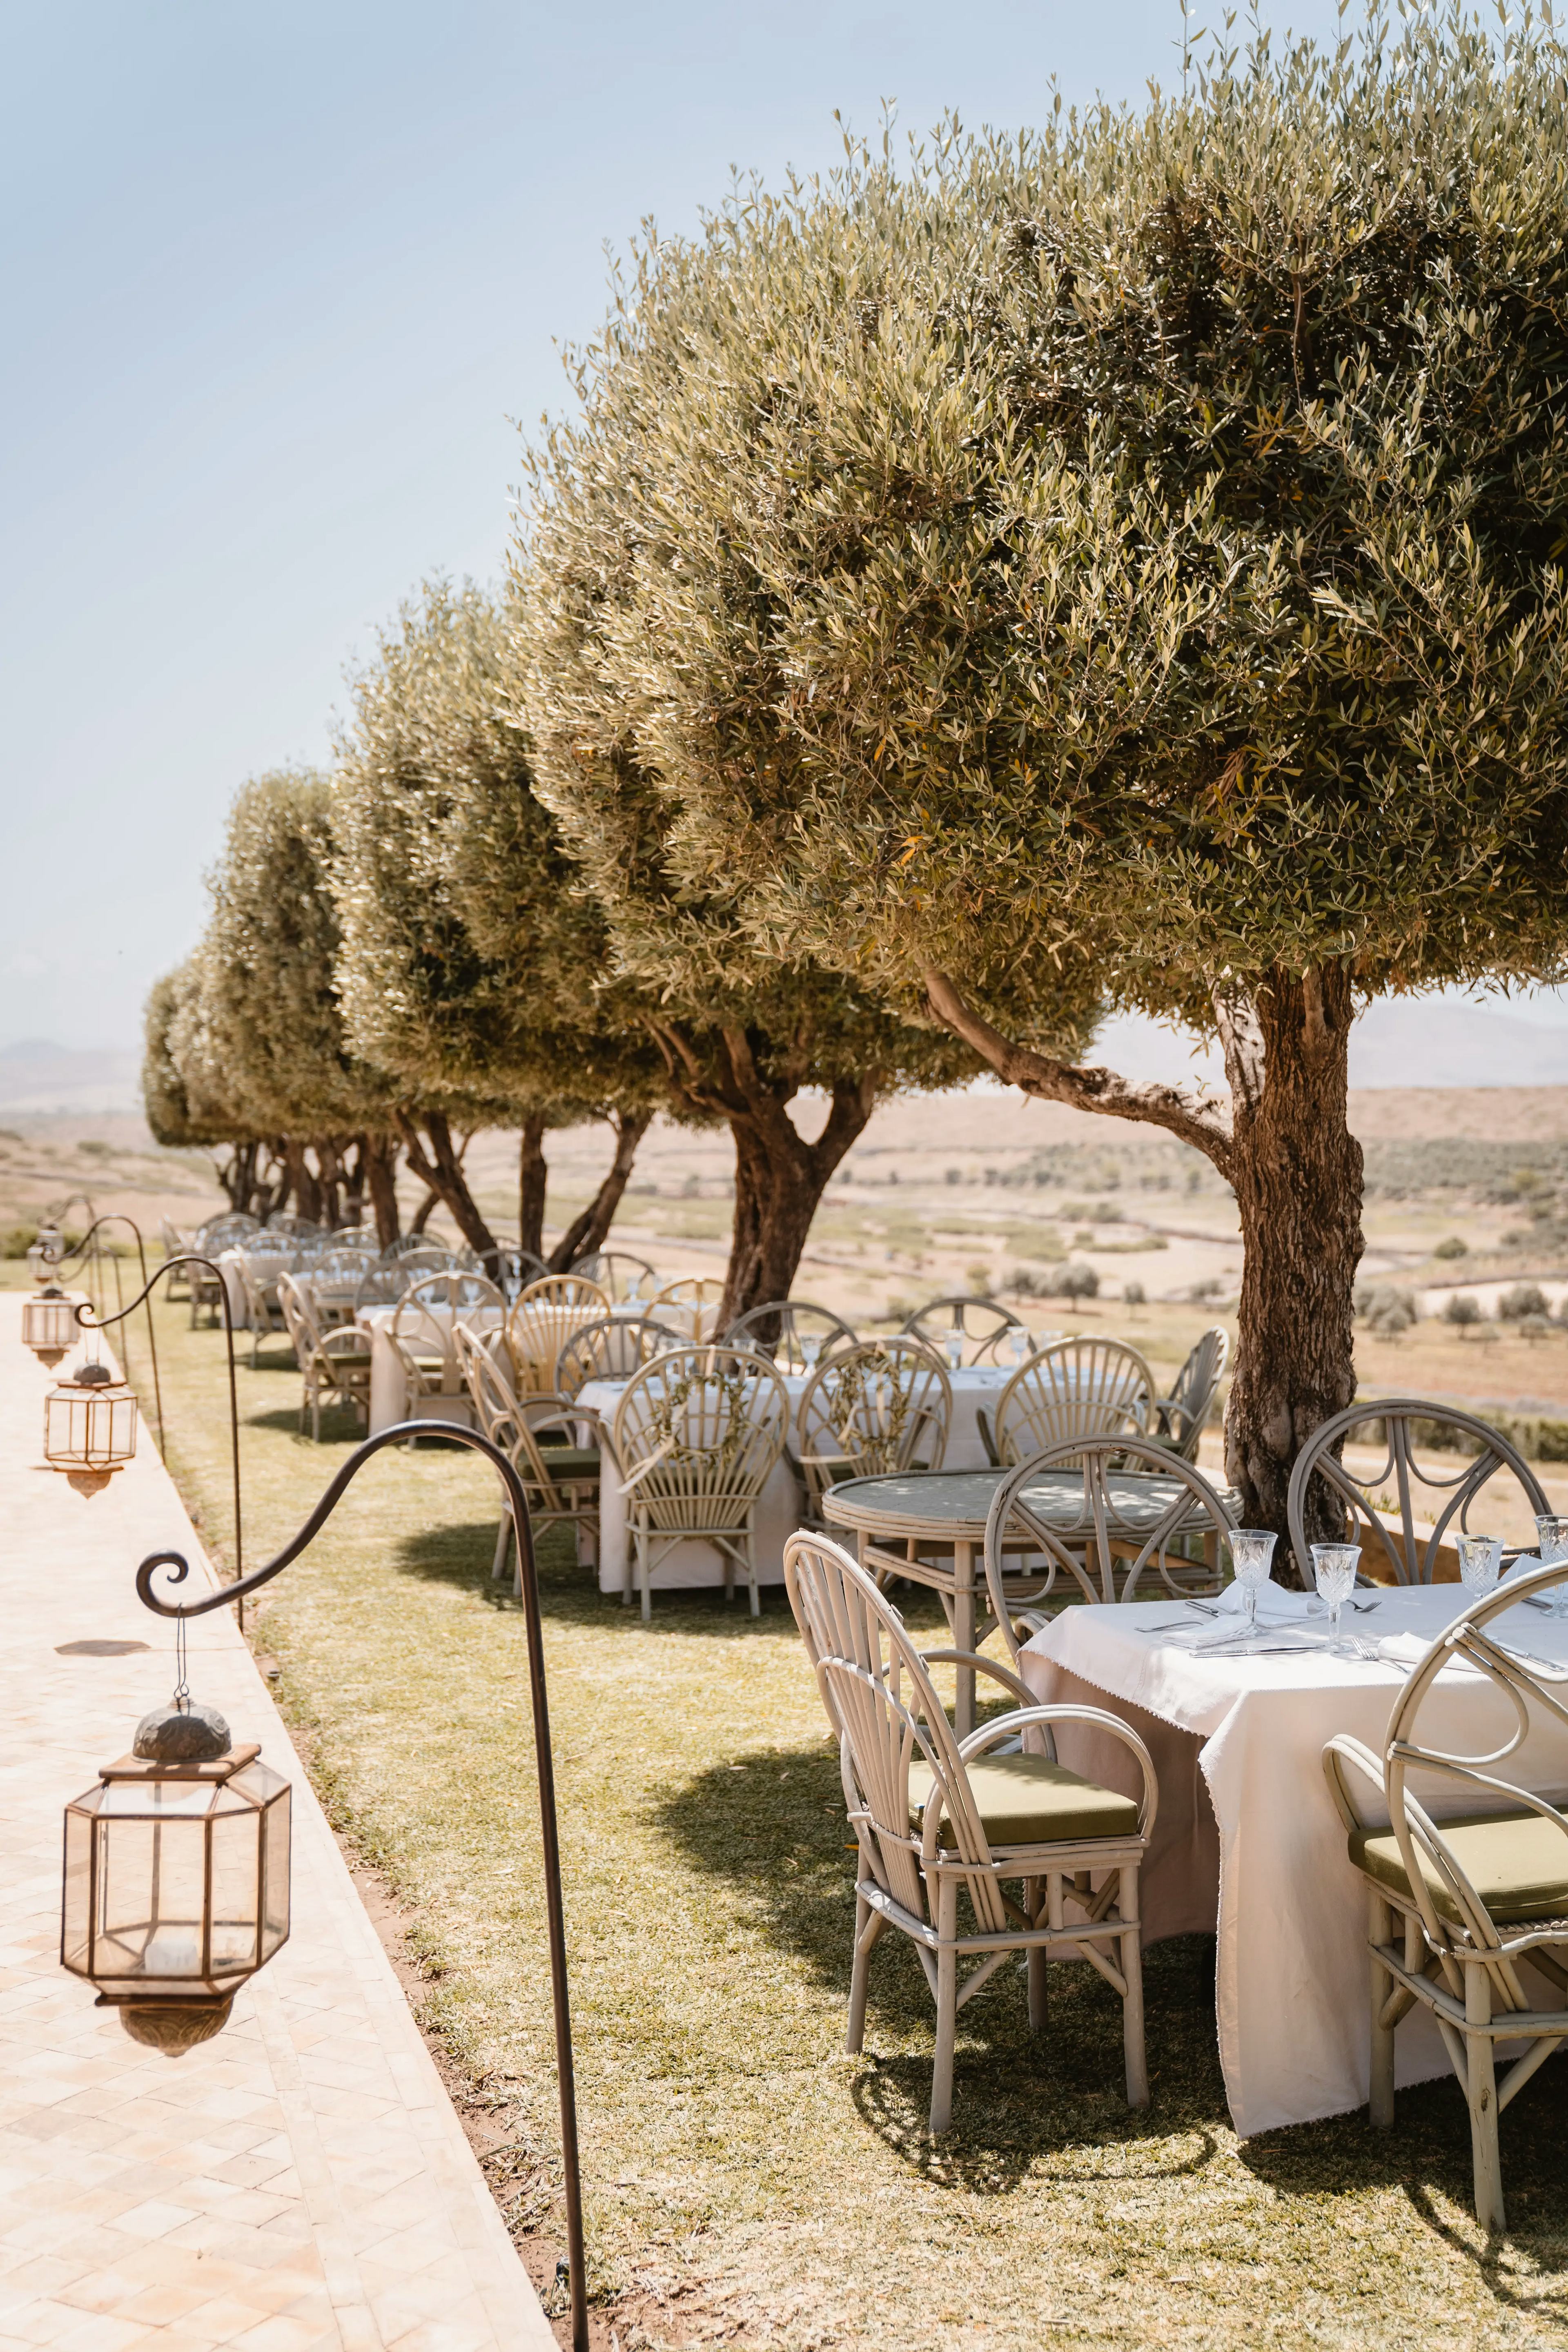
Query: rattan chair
[1179, 1420]
[1104, 1535]
[791, 1333]
[259, 1271]
[561, 1480]
[610, 1348]
[620, 1275]
[382, 1285]
[1074, 1388]
[882, 1406]
[424, 1325]
[1049, 1862]
[966, 1326]
[334, 1365]
[1376, 1507]
[542, 1320]
[1462, 1908]
[695, 1298]
[696, 1435]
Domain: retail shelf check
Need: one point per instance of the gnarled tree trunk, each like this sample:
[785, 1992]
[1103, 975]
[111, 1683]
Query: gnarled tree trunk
[588, 1232]
[306, 1190]
[532, 1180]
[1283, 1144]
[378, 1157]
[779, 1177]
[441, 1168]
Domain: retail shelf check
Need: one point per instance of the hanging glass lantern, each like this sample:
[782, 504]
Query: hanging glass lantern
[89, 1421]
[44, 1253]
[176, 1876]
[49, 1324]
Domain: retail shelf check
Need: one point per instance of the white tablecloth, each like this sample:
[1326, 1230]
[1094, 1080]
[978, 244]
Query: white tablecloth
[1249, 1839]
[389, 1398]
[779, 1505]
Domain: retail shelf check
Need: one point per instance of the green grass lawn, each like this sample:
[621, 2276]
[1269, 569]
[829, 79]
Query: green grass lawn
[746, 2182]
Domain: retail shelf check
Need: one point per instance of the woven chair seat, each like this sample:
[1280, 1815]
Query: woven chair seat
[571, 1461]
[1029, 1801]
[1517, 1863]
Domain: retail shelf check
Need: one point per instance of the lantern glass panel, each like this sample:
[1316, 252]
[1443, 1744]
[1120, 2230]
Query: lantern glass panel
[89, 1428]
[49, 1325]
[274, 1866]
[77, 1916]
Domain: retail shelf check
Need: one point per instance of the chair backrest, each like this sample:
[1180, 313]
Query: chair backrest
[1074, 1388]
[221, 1233]
[515, 1268]
[1530, 1693]
[1326, 1492]
[1182, 1414]
[965, 1325]
[427, 1313]
[610, 1348]
[301, 1319]
[883, 1405]
[295, 1228]
[879, 1698]
[619, 1275]
[463, 1293]
[407, 1245]
[542, 1322]
[695, 1298]
[382, 1285]
[793, 1333]
[566, 1290]
[1096, 1518]
[426, 1259]
[350, 1265]
[696, 1432]
[494, 1399]
[359, 1239]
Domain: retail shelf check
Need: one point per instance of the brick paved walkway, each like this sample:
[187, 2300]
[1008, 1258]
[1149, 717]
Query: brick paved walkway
[299, 2184]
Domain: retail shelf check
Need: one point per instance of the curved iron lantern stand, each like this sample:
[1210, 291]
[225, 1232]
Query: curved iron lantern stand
[180, 1568]
[105, 1322]
[56, 1263]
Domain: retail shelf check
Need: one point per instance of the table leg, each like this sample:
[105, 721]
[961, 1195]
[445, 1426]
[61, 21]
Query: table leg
[963, 1635]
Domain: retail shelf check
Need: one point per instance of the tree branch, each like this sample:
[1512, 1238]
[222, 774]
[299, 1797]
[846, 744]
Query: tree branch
[1241, 1042]
[1199, 1117]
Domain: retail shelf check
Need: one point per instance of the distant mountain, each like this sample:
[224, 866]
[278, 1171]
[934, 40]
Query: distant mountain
[37, 1075]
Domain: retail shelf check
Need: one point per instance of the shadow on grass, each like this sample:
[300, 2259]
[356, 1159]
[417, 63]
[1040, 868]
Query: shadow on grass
[1426, 2155]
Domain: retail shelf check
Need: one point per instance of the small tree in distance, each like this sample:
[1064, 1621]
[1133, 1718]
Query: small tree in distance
[1131, 557]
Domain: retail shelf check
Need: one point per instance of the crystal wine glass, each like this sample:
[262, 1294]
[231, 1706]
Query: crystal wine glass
[1021, 1343]
[810, 1349]
[1480, 1562]
[1552, 1544]
[953, 1348]
[1334, 1567]
[1251, 1558]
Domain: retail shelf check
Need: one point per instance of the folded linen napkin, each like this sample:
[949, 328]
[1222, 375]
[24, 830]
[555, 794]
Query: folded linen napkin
[1276, 1605]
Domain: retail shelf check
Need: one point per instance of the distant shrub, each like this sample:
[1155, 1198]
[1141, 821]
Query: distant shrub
[1132, 1293]
[1462, 1309]
[1211, 1286]
[952, 1176]
[1452, 1246]
[1076, 1281]
[1387, 1311]
[1524, 1298]
[94, 1150]
[979, 1279]
[1535, 1326]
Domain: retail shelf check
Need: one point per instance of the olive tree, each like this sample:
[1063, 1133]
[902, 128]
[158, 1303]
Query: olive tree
[188, 1102]
[432, 803]
[1132, 553]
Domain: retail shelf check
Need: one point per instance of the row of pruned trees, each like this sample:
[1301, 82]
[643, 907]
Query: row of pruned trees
[1119, 567]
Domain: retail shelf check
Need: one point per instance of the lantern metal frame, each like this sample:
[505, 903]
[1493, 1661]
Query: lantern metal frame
[81, 1396]
[59, 1313]
[86, 1251]
[528, 1578]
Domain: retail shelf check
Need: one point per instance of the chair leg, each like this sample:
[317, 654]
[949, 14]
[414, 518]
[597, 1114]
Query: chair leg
[1481, 2091]
[1380, 2086]
[752, 1577]
[1132, 1943]
[869, 1926]
[1034, 1961]
[503, 1544]
[946, 2007]
[645, 1582]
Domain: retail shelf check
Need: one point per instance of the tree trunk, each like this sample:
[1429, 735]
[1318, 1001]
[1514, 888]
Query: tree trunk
[378, 1157]
[532, 1177]
[237, 1174]
[588, 1232]
[330, 1163]
[306, 1190]
[1297, 1174]
[353, 1183]
[441, 1168]
[1284, 1146]
[424, 1212]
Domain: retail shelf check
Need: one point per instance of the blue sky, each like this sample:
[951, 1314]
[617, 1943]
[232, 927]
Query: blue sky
[276, 281]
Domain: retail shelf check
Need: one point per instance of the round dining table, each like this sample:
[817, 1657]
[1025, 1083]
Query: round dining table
[937, 1517]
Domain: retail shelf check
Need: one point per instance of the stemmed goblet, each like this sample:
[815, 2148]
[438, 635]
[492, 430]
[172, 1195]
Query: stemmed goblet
[1334, 1567]
[1251, 1558]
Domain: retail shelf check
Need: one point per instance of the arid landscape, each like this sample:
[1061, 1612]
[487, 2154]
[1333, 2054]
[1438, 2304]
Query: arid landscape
[1467, 1194]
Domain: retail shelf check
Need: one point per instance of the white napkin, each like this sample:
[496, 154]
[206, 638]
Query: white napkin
[1276, 1605]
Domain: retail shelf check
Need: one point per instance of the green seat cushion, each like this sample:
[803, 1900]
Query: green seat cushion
[347, 1355]
[1517, 1863]
[1029, 1801]
[571, 1461]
